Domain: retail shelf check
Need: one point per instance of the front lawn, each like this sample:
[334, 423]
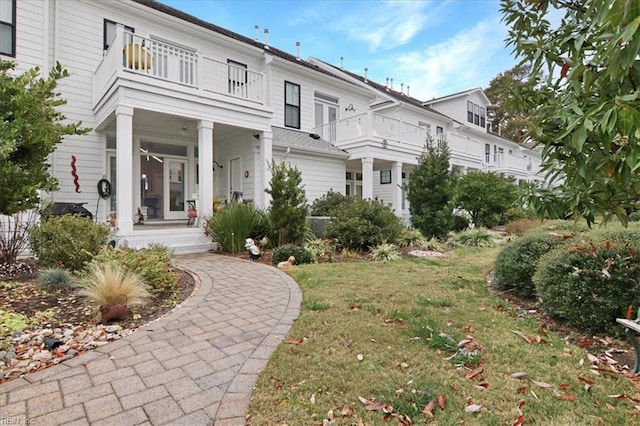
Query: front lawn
[403, 339]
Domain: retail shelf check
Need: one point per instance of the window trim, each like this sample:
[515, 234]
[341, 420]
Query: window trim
[12, 27]
[288, 106]
[385, 176]
[105, 23]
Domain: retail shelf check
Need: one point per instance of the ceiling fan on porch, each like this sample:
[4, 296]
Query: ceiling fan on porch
[146, 151]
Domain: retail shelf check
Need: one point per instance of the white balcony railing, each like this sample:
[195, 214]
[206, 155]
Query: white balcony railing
[501, 162]
[158, 60]
[372, 125]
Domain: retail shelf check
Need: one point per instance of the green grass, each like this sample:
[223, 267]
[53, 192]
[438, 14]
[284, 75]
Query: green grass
[378, 332]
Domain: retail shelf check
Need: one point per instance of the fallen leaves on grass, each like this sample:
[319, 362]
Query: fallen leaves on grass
[521, 334]
[473, 373]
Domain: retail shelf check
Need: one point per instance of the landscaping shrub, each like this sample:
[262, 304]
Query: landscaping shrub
[410, 237]
[459, 223]
[67, 241]
[288, 206]
[282, 253]
[231, 226]
[152, 264]
[321, 249]
[564, 227]
[329, 202]
[616, 232]
[384, 252]
[360, 224]
[54, 279]
[589, 286]
[516, 262]
[477, 237]
[520, 226]
[14, 234]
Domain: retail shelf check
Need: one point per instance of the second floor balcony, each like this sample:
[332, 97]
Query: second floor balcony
[178, 68]
[389, 131]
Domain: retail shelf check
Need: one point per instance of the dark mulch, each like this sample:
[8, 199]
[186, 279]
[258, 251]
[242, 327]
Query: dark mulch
[19, 294]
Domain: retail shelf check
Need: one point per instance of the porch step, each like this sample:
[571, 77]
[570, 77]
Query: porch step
[179, 239]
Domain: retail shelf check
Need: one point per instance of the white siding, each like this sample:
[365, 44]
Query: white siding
[319, 174]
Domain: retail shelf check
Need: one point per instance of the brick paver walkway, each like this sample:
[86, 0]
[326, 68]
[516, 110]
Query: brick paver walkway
[196, 366]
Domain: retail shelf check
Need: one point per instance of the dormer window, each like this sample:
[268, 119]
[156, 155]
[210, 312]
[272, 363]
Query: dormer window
[476, 114]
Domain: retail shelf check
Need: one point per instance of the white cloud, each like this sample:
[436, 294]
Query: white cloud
[464, 61]
[384, 25]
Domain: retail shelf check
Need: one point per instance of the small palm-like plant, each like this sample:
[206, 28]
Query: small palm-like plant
[411, 237]
[384, 252]
[478, 237]
[109, 284]
[54, 279]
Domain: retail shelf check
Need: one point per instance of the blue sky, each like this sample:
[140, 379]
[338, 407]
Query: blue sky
[438, 47]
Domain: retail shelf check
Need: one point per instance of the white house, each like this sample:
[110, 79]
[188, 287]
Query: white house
[182, 109]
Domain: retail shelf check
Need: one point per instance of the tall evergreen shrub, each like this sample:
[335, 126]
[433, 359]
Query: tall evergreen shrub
[288, 207]
[430, 191]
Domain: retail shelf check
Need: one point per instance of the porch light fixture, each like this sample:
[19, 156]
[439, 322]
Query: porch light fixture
[350, 108]
[217, 164]
[385, 144]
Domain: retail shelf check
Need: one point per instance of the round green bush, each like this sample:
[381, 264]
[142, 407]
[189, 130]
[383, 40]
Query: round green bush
[67, 241]
[516, 262]
[616, 232]
[564, 227]
[360, 224]
[589, 286]
[282, 253]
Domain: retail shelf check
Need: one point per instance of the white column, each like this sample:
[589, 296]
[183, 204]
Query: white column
[137, 177]
[367, 178]
[205, 178]
[266, 152]
[124, 165]
[396, 182]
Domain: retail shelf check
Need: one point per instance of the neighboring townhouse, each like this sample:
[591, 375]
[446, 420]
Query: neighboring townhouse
[184, 111]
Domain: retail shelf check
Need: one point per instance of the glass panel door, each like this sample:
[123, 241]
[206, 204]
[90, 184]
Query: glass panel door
[175, 189]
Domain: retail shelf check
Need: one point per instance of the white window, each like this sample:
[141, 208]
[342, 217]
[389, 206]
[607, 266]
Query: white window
[8, 27]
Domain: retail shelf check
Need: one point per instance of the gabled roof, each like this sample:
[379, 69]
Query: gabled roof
[160, 7]
[461, 94]
[304, 141]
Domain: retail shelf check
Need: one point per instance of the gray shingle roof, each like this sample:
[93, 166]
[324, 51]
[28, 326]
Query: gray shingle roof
[296, 139]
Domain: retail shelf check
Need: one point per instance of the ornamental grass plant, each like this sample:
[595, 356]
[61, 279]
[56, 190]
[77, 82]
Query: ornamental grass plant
[109, 284]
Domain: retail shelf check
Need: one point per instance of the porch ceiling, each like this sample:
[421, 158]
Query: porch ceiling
[170, 125]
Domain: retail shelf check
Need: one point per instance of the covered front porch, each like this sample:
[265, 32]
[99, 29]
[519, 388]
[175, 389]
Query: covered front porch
[161, 165]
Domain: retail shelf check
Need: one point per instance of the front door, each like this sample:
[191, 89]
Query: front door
[175, 189]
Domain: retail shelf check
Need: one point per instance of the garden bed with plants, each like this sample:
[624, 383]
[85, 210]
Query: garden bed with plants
[30, 314]
[59, 307]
